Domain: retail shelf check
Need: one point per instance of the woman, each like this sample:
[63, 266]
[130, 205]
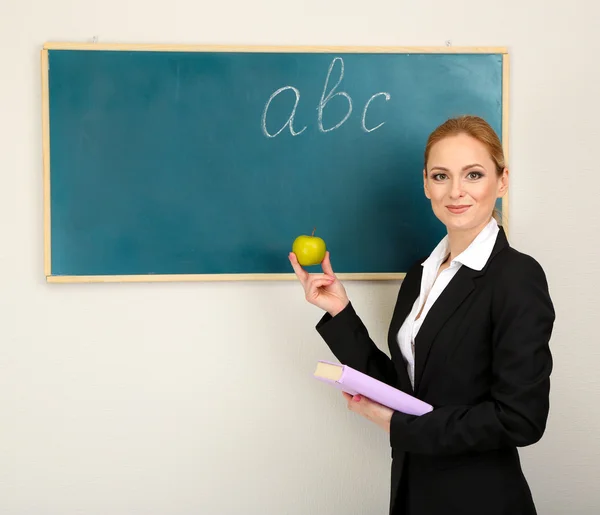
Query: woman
[469, 334]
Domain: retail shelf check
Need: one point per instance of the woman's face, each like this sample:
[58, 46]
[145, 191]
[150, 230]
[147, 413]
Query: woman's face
[462, 183]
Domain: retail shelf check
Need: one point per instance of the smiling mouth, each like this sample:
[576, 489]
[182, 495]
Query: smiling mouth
[457, 209]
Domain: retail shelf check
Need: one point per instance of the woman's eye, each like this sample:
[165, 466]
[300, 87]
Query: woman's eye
[475, 175]
[439, 176]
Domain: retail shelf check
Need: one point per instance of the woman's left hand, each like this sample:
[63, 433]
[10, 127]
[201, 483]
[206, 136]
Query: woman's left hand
[371, 410]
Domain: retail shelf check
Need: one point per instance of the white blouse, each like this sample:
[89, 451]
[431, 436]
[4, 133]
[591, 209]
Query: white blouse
[475, 256]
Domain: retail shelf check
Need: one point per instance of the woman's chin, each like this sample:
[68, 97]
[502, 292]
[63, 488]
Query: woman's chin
[459, 223]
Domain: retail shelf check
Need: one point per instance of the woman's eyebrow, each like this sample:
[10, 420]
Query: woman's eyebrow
[443, 169]
[474, 165]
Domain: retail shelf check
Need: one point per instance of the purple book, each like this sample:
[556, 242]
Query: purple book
[354, 382]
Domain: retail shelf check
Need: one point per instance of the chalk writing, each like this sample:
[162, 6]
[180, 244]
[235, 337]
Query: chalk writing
[364, 116]
[325, 98]
[290, 120]
[330, 95]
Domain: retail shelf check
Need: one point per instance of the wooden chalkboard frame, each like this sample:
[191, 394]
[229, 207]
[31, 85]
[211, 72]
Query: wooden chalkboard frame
[236, 48]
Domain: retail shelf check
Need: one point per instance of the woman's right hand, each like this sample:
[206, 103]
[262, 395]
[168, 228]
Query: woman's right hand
[322, 290]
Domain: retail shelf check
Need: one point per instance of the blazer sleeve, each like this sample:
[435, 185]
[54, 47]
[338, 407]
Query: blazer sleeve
[349, 340]
[516, 414]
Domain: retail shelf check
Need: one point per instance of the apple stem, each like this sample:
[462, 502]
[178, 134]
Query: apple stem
[314, 229]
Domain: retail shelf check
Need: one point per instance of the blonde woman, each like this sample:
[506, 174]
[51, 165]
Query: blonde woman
[469, 334]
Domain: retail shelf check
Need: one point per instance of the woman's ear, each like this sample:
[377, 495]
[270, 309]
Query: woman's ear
[425, 187]
[503, 186]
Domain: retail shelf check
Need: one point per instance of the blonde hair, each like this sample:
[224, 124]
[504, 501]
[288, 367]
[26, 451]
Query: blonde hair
[477, 128]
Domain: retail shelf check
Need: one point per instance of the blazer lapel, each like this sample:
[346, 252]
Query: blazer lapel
[406, 298]
[455, 293]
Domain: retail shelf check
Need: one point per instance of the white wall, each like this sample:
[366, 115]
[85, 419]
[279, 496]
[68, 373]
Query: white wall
[153, 398]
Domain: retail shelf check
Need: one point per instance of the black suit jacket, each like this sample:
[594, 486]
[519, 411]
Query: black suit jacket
[482, 359]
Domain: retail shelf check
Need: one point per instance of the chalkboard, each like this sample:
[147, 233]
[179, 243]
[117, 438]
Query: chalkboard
[205, 163]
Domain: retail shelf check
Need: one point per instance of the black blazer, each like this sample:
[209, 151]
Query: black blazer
[482, 359]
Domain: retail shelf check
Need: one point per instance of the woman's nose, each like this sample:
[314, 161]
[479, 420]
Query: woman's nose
[456, 190]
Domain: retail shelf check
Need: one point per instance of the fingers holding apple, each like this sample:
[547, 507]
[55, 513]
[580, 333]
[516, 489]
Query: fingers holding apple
[322, 290]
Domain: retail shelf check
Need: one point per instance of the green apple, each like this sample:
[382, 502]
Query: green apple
[310, 250]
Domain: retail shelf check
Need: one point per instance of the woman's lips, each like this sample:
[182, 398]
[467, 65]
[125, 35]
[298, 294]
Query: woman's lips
[457, 210]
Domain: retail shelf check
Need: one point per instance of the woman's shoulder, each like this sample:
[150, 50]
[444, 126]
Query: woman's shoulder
[518, 284]
[512, 257]
[512, 267]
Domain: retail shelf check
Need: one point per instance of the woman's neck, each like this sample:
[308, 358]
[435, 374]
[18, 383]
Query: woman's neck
[459, 240]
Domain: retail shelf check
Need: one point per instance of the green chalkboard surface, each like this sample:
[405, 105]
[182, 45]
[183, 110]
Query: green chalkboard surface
[201, 163]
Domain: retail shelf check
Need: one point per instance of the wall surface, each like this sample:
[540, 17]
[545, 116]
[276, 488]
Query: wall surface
[197, 397]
